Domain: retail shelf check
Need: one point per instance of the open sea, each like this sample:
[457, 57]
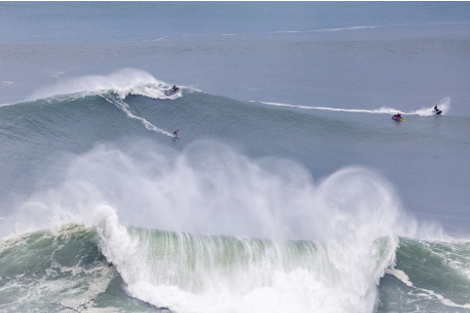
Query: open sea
[290, 188]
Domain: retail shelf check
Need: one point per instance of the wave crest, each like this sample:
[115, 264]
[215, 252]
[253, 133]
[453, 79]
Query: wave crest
[123, 83]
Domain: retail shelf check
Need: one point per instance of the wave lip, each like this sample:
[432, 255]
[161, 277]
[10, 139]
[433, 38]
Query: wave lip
[123, 83]
[188, 273]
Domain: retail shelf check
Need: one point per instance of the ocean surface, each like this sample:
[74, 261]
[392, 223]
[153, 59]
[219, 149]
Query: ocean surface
[290, 188]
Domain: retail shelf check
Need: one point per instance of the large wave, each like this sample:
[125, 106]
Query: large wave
[220, 232]
[114, 88]
[124, 82]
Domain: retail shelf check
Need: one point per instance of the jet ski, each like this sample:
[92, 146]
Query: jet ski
[398, 118]
[173, 91]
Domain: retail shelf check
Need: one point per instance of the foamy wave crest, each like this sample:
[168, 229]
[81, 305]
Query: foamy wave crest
[216, 231]
[443, 105]
[275, 240]
[188, 273]
[347, 233]
[123, 83]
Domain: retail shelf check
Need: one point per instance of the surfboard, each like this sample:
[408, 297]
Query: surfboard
[437, 112]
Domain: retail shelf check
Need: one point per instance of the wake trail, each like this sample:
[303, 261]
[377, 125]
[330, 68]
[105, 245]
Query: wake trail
[119, 103]
[444, 105]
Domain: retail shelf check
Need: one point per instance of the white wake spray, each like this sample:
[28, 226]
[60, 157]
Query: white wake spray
[118, 102]
[443, 105]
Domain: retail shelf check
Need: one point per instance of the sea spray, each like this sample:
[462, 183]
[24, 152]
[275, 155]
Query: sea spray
[124, 82]
[216, 231]
[189, 273]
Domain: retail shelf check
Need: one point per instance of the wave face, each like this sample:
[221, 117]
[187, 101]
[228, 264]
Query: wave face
[52, 271]
[66, 270]
[260, 211]
[188, 273]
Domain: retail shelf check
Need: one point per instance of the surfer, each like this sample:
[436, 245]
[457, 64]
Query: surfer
[175, 134]
[174, 88]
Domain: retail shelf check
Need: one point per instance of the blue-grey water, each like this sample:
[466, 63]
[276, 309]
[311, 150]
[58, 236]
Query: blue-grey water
[290, 189]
